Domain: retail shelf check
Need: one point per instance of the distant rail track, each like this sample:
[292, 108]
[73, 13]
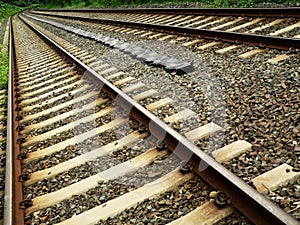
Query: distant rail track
[230, 25]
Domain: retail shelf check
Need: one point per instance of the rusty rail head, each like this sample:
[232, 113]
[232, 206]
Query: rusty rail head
[253, 12]
[251, 203]
[231, 37]
[13, 214]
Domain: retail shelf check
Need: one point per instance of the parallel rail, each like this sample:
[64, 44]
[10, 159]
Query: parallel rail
[262, 41]
[13, 188]
[248, 201]
[253, 12]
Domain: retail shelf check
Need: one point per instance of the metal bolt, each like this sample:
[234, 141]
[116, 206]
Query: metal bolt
[21, 140]
[19, 117]
[185, 166]
[20, 127]
[22, 156]
[142, 128]
[25, 203]
[160, 145]
[24, 177]
[222, 199]
[292, 50]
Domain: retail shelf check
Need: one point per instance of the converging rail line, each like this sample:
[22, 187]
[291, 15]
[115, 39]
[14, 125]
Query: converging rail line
[81, 133]
[229, 25]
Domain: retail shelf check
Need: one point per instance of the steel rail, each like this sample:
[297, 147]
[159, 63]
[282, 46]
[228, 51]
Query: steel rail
[8, 199]
[261, 41]
[13, 214]
[251, 203]
[254, 12]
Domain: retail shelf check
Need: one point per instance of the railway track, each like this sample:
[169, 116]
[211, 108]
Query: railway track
[96, 144]
[238, 26]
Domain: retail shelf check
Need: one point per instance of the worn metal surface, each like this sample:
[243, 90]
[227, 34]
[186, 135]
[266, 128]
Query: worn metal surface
[8, 200]
[245, 198]
[13, 214]
[232, 37]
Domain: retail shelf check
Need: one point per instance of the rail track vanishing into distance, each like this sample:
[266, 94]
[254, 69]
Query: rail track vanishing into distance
[153, 116]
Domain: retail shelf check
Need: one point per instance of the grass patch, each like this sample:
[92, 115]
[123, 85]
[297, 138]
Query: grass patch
[3, 104]
[3, 67]
[6, 10]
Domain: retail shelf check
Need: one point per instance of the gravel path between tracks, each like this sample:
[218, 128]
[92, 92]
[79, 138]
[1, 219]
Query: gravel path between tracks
[106, 191]
[288, 198]
[88, 169]
[67, 120]
[77, 149]
[262, 104]
[153, 77]
[165, 208]
[58, 112]
[261, 101]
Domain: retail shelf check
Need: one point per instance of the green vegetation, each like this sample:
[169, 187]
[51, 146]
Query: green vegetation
[3, 103]
[3, 66]
[7, 9]
[116, 3]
